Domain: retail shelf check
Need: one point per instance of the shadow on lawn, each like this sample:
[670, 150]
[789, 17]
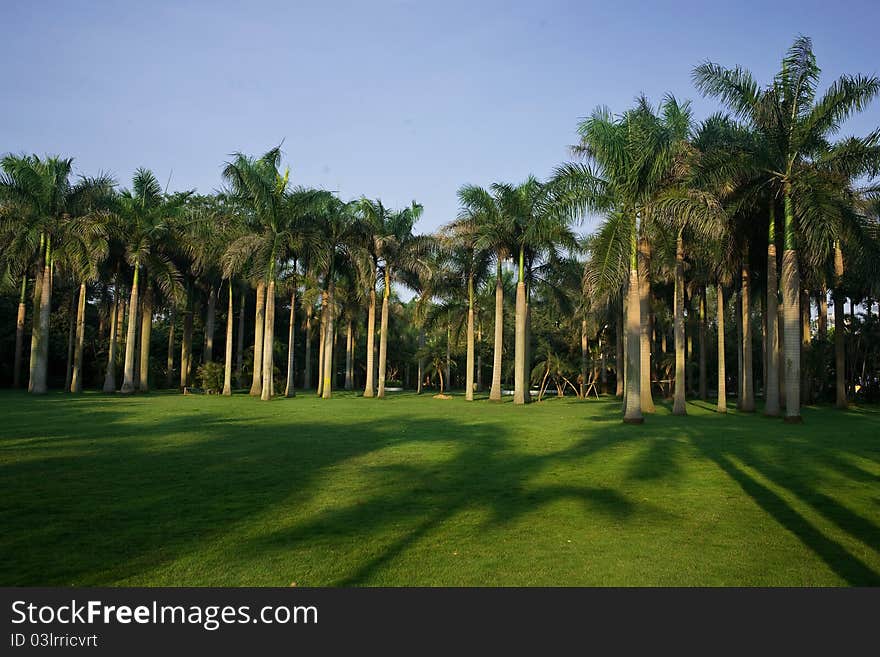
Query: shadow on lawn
[116, 498]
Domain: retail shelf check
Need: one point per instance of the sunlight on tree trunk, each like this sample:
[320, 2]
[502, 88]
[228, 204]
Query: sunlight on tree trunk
[259, 327]
[678, 405]
[498, 347]
[186, 346]
[369, 390]
[110, 373]
[268, 368]
[383, 333]
[644, 263]
[469, 373]
[146, 331]
[239, 342]
[519, 367]
[349, 363]
[41, 369]
[290, 387]
[633, 412]
[748, 404]
[131, 336]
[76, 379]
[327, 374]
[227, 360]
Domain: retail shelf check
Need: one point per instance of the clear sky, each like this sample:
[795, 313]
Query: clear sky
[389, 99]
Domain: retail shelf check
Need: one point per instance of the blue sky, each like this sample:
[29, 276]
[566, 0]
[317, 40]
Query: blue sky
[395, 100]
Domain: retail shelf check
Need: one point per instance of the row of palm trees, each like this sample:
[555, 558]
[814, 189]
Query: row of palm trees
[717, 207]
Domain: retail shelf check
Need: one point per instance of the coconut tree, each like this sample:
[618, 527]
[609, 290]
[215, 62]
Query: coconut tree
[796, 129]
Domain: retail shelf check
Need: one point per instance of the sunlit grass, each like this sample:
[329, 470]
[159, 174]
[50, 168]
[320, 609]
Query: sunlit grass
[172, 490]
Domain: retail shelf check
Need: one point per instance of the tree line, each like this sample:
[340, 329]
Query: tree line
[715, 239]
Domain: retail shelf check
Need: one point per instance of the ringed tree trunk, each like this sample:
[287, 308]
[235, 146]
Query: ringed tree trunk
[169, 363]
[210, 320]
[383, 334]
[19, 334]
[791, 311]
[327, 373]
[71, 337]
[722, 369]
[227, 360]
[647, 399]
[268, 368]
[35, 323]
[41, 369]
[76, 379]
[839, 330]
[748, 388]
[519, 364]
[369, 390]
[469, 373]
[495, 390]
[321, 344]
[239, 343]
[259, 326]
[678, 405]
[146, 330]
[290, 389]
[633, 395]
[771, 394]
[110, 373]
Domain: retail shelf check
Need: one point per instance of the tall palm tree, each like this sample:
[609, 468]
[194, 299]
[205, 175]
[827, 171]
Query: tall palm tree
[146, 217]
[44, 199]
[796, 131]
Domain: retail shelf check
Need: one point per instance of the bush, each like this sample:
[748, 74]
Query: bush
[210, 377]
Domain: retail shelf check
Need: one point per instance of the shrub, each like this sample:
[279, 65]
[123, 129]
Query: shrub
[210, 377]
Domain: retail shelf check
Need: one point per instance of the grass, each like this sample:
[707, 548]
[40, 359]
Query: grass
[171, 490]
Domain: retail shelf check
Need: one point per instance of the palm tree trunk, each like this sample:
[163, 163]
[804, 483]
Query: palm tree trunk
[739, 351]
[748, 378]
[421, 360]
[448, 353]
[369, 390]
[495, 390]
[703, 391]
[839, 299]
[76, 378]
[239, 342]
[146, 331]
[584, 348]
[41, 370]
[791, 286]
[678, 405]
[722, 370]
[227, 360]
[527, 393]
[290, 389]
[519, 356]
[110, 373]
[479, 375]
[186, 346]
[349, 363]
[169, 360]
[633, 407]
[35, 323]
[771, 393]
[307, 373]
[469, 373]
[19, 334]
[806, 378]
[268, 368]
[71, 337]
[259, 327]
[322, 327]
[327, 373]
[130, 336]
[619, 376]
[210, 320]
[647, 400]
[383, 335]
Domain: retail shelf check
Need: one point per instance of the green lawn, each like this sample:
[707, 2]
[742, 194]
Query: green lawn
[173, 490]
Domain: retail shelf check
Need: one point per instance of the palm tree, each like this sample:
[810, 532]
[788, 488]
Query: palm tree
[493, 235]
[795, 131]
[145, 218]
[42, 196]
[259, 186]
